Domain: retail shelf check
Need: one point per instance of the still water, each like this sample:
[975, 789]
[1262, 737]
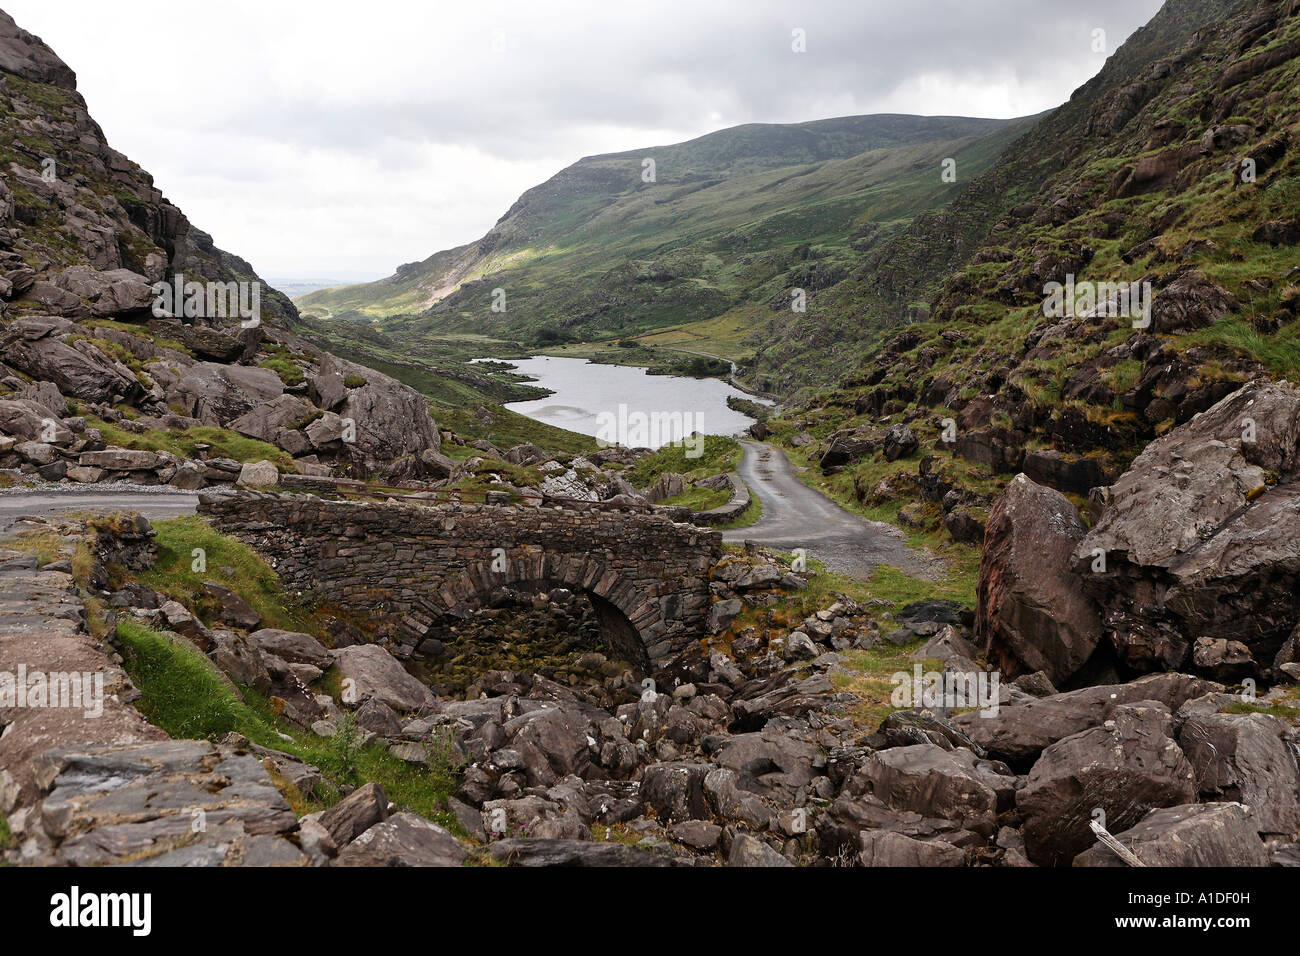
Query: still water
[647, 410]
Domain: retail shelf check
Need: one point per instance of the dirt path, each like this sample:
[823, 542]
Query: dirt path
[796, 516]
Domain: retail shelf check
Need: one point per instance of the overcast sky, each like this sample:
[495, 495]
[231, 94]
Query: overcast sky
[319, 138]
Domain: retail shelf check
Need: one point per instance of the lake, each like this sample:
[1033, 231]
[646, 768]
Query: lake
[621, 403]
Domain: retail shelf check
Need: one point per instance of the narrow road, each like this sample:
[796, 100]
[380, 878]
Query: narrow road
[154, 506]
[796, 516]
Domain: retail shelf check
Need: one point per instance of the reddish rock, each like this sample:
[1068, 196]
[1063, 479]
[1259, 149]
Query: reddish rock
[1030, 613]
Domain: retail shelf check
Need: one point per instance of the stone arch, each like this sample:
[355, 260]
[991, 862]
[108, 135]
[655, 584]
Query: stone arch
[631, 622]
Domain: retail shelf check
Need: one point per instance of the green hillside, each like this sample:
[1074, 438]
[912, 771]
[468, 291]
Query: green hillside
[732, 217]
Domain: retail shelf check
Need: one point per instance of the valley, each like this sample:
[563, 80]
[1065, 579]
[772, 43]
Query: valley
[790, 512]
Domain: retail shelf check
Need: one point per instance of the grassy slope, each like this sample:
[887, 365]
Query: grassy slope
[975, 343]
[896, 277]
[599, 252]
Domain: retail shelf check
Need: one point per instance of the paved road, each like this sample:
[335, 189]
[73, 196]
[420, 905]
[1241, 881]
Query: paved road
[796, 516]
[153, 506]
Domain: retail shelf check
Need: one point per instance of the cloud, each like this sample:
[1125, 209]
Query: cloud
[310, 136]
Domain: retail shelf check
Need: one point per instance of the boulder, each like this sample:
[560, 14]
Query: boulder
[1019, 733]
[675, 791]
[752, 852]
[265, 420]
[403, 839]
[551, 743]
[1246, 758]
[326, 389]
[79, 370]
[1124, 768]
[230, 607]
[549, 853]
[355, 814]
[30, 420]
[1190, 302]
[934, 782]
[1197, 541]
[1198, 834]
[392, 419]
[120, 459]
[292, 647]
[374, 672]
[891, 848]
[258, 474]
[217, 394]
[1030, 614]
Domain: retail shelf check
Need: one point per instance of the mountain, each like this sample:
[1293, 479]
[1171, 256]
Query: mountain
[1178, 178]
[728, 219]
[890, 284]
[100, 378]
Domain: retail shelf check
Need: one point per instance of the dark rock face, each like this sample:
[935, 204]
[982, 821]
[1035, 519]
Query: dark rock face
[1125, 768]
[1030, 612]
[1201, 535]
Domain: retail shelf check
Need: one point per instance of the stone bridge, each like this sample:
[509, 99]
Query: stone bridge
[411, 567]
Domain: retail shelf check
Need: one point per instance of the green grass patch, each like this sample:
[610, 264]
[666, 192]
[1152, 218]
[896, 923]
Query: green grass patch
[221, 442]
[700, 499]
[228, 562]
[183, 694]
[717, 454]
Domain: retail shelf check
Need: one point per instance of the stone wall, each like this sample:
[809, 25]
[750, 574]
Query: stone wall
[410, 566]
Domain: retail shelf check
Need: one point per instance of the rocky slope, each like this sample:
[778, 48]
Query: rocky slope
[896, 275]
[1181, 179]
[97, 380]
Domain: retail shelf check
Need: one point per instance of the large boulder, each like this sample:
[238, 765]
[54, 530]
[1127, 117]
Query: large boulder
[1199, 540]
[292, 647]
[675, 791]
[949, 784]
[1124, 768]
[1020, 732]
[356, 813]
[258, 474]
[551, 744]
[891, 848]
[403, 839]
[115, 292]
[29, 420]
[373, 672]
[78, 369]
[216, 394]
[265, 421]
[1030, 614]
[1197, 834]
[391, 419]
[1246, 758]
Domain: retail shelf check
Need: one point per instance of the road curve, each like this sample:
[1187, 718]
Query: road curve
[154, 506]
[796, 516]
